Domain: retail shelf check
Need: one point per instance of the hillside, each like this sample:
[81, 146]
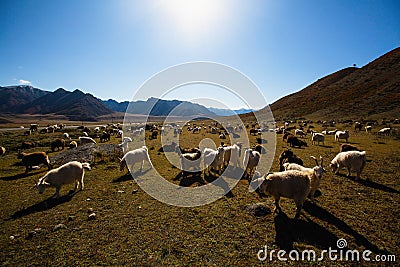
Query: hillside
[74, 105]
[12, 98]
[372, 91]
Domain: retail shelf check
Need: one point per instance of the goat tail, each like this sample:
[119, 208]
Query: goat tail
[86, 166]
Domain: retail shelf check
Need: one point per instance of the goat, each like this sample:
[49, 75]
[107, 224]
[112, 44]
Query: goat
[294, 141]
[288, 156]
[384, 131]
[342, 135]
[300, 133]
[57, 144]
[291, 184]
[73, 144]
[2, 150]
[134, 156]
[71, 172]
[250, 162]
[347, 147]
[213, 159]
[34, 159]
[27, 145]
[315, 173]
[86, 140]
[190, 160]
[232, 153]
[318, 137]
[351, 160]
[105, 136]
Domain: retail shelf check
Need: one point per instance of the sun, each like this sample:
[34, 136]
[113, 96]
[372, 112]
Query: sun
[194, 21]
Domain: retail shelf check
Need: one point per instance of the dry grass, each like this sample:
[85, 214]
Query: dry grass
[132, 228]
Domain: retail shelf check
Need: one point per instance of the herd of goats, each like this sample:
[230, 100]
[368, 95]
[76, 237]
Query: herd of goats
[293, 181]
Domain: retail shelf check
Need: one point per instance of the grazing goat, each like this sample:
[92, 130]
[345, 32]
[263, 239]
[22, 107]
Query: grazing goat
[190, 160]
[317, 138]
[34, 159]
[347, 147]
[250, 162]
[134, 156]
[288, 156]
[154, 135]
[71, 172]
[351, 160]
[294, 141]
[86, 140]
[73, 144]
[232, 154]
[300, 133]
[315, 173]
[2, 150]
[66, 136]
[342, 135]
[213, 159]
[27, 145]
[291, 184]
[105, 137]
[368, 128]
[384, 131]
[58, 143]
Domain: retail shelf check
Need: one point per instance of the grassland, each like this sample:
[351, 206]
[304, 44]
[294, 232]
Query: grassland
[132, 228]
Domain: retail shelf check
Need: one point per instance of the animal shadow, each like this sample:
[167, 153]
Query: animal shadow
[190, 179]
[130, 176]
[42, 206]
[288, 231]
[19, 176]
[325, 215]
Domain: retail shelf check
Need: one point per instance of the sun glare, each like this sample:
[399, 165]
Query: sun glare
[193, 21]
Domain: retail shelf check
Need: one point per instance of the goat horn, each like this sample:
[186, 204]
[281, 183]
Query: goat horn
[316, 161]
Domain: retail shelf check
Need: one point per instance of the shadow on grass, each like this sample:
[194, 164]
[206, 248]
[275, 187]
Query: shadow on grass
[42, 206]
[220, 183]
[325, 215]
[130, 176]
[189, 179]
[371, 184]
[20, 175]
[290, 230]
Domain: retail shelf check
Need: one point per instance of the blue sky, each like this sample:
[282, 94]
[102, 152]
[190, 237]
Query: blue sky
[111, 47]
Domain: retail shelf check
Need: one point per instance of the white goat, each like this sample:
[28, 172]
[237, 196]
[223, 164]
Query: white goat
[134, 156]
[250, 162]
[214, 159]
[317, 138]
[299, 132]
[124, 144]
[232, 154]
[66, 136]
[291, 184]
[352, 160]
[384, 131]
[342, 135]
[86, 140]
[71, 172]
[315, 173]
[190, 160]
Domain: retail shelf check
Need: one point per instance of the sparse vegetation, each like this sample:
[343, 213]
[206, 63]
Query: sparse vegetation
[131, 228]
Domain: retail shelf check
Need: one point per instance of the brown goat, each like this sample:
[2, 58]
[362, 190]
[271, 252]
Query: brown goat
[347, 147]
[57, 144]
[34, 159]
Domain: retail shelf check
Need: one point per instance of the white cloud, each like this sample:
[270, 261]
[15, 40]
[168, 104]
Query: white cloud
[24, 82]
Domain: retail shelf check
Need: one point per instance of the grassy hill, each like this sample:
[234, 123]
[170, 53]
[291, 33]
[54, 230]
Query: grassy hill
[372, 91]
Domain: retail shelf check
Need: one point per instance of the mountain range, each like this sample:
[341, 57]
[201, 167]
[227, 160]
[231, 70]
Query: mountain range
[372, 91]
